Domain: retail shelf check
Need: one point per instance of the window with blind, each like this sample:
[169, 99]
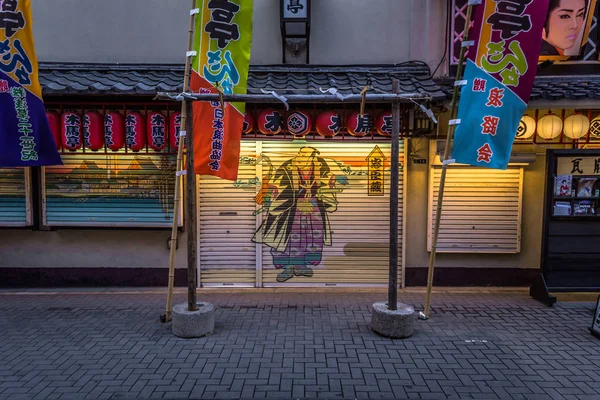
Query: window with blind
[14, 197]
[481, 210]
[116, 189]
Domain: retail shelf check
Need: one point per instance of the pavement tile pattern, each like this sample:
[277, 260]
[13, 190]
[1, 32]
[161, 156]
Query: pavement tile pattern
[285, 345]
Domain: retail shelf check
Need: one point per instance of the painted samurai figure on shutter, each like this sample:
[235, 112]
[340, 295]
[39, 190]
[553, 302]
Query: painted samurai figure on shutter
[297, 199]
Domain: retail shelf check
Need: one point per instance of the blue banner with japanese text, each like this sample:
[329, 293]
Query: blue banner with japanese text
[25, 136]
[499, 76]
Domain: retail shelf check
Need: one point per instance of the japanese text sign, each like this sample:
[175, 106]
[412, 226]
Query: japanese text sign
[499, 77]
[376, 181]
[223, 38]
[578, 166]
[25, 136]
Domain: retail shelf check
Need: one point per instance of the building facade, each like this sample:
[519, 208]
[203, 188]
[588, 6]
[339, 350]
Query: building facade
[104, 217]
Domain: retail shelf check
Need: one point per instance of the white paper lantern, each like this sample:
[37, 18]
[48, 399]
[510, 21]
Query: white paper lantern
[576, 126]
[549, 127]
[526, 128]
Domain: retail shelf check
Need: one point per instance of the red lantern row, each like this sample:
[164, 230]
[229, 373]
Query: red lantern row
[114, 130]
[328, 123]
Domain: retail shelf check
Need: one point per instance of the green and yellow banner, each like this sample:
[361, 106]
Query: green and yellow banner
[222, 41]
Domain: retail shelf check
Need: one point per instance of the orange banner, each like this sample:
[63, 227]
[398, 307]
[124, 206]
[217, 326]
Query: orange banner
[222, 43]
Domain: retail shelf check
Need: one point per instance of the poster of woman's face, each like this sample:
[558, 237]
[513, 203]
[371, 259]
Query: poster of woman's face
[566, 29]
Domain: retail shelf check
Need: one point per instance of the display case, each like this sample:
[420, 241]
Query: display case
[576, 186]
[571, 229]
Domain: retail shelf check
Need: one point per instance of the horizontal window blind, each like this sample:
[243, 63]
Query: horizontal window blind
[14, 197]
[481, 210]
[226, 226]
[110, 190]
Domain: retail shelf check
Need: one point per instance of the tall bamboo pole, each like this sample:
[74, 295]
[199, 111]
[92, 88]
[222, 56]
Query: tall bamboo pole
[177, 201]
[449, 137]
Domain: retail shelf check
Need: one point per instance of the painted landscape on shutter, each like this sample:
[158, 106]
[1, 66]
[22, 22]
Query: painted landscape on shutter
[111, 190]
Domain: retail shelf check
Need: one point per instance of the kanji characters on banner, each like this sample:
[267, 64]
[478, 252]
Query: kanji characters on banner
[222, 44]
[499, 73]
[25, 136]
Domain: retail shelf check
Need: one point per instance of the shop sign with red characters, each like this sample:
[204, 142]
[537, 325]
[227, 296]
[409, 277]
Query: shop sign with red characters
[505, 43]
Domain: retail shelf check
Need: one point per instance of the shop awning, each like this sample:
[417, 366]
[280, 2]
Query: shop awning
[60, 79]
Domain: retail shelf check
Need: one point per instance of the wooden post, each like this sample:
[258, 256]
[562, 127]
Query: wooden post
[179, 167]
[447, 147]
[190, 212]
[393, 271]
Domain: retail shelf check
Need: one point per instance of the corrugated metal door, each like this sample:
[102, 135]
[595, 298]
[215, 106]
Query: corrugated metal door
[226, 217]
[14, 197]
[481, 210]
[323, 228]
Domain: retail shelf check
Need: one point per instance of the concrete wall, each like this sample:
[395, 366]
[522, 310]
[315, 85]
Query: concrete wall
[155, 31]
[94, 248]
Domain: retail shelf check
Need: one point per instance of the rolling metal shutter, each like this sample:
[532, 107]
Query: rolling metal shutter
[481, 210]
[15, 203]
[359, 226]
[112, 190]
[226, 225]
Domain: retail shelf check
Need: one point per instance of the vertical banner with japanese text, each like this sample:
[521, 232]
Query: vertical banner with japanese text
[223, 38]
[499, 76]
[25, 136]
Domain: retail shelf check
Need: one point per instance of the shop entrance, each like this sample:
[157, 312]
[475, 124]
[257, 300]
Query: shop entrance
[302, 213]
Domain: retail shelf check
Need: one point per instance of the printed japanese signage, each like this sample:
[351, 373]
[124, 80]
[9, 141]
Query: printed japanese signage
[222, 41]
[295, 9]
[566, 28]
[499, 77]
[25, 136]
[578, 166]
[375, 182]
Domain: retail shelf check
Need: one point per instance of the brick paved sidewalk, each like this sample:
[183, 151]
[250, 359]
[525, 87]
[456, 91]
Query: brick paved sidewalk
[276, 344]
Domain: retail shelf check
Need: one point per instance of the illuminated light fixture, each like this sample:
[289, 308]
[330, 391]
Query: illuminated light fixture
[576, 126]
[526, 128]
[295, 27]
[549, 126]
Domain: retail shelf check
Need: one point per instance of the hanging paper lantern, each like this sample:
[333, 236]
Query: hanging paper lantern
[156, 130]
[549, 127]
[576, 126]
[299, 123]
[328, 124]
[114, 130]
[383, 125]
[595, 127]
[248, 123]
[54, 123]
[270, 122]
[72, 138]
[357, 125]
[526, 128]
[174, 128]
[135, 132]
[93, 130]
